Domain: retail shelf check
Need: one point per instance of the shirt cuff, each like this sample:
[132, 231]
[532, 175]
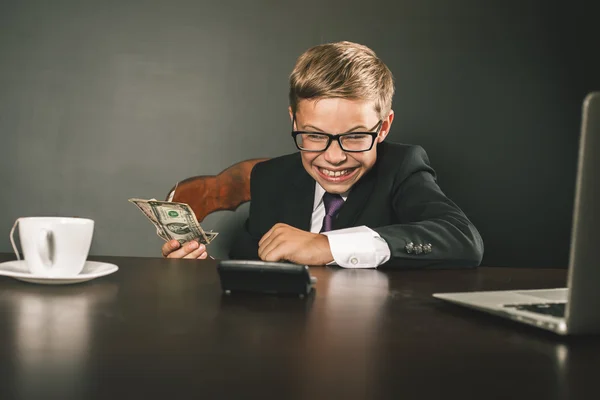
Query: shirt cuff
[357, 247]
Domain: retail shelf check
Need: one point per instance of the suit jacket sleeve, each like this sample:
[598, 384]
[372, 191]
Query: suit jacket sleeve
[245, 246]
[426, 215]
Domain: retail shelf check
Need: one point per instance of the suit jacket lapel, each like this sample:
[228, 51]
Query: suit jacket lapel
[299, 199]
[356, 201]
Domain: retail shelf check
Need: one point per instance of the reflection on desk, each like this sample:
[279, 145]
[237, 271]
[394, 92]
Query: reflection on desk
[52, 333]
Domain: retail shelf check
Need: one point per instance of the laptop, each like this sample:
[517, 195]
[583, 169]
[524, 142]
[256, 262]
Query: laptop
[575, 309]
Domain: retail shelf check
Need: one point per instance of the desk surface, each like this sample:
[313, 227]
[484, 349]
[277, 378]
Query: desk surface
[162, 329]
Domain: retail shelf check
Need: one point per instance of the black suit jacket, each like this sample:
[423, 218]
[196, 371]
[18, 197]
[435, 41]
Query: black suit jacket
[398, 198]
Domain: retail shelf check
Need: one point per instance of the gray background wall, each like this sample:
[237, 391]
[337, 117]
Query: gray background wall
[102, 101]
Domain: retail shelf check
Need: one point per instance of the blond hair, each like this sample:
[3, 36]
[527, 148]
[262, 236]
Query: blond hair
[342, 70]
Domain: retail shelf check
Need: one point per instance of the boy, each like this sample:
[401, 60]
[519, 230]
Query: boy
[347, 197]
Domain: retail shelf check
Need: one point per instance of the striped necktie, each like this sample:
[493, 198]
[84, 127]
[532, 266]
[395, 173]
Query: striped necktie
[333, 203]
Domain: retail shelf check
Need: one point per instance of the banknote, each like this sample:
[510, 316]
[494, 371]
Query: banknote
[174, 221]
[147, 211]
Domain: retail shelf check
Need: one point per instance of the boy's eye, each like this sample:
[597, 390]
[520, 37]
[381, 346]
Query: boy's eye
[315, 137]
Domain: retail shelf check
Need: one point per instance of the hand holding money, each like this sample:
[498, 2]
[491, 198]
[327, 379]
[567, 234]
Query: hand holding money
[190, 250]
[174, 221]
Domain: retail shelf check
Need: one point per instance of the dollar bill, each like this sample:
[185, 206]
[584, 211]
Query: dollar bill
[147, 211]
[174, 221]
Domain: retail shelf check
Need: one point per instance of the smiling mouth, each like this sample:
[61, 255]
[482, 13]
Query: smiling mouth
[337, 176]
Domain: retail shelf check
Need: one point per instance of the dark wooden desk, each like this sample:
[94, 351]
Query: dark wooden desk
[161, 329]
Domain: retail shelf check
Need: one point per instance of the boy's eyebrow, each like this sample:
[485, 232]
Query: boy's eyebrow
[313, 128]
[361, 127]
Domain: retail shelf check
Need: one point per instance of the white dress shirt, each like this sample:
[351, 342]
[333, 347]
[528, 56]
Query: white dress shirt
[356, 247]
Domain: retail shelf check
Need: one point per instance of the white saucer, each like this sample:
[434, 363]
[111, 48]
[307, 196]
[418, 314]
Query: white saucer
[91, 270]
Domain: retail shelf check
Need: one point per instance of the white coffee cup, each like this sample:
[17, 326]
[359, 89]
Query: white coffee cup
[54, 246]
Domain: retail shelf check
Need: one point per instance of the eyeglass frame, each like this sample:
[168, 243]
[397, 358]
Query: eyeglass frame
[338, 137]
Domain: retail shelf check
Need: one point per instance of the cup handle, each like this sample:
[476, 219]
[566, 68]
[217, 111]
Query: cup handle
[44, 247]
[12, 239]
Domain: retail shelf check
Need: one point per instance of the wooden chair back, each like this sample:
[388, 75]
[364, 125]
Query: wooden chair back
[209, 193]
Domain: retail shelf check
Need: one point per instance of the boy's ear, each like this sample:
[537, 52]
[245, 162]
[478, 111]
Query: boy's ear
[385, 127]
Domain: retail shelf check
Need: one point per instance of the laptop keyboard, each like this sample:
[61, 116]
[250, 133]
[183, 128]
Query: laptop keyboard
[553, 309]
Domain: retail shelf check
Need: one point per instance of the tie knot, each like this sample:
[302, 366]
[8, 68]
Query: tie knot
[333, 203]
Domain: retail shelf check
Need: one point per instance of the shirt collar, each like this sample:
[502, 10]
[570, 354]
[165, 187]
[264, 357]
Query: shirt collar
[319, 192]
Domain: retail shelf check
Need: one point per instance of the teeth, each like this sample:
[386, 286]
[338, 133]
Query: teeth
[334, 173]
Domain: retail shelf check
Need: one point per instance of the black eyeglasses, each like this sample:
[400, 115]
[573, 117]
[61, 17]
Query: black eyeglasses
[352, 142]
